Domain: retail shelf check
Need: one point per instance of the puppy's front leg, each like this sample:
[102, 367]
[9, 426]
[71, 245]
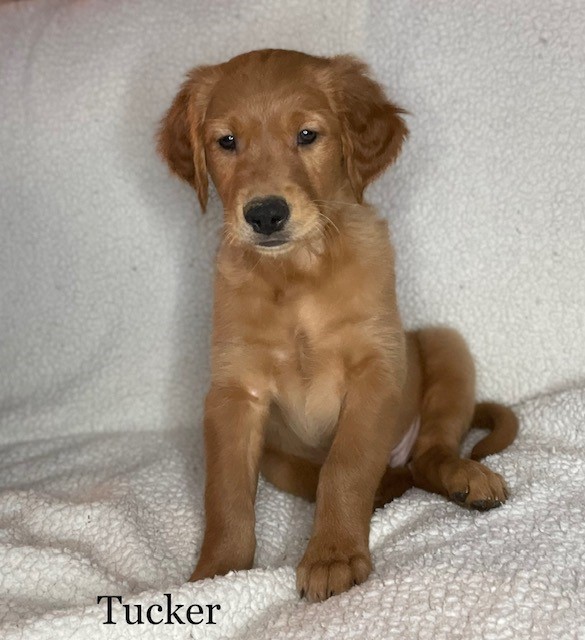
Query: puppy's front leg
[234, 434]
[338, 555]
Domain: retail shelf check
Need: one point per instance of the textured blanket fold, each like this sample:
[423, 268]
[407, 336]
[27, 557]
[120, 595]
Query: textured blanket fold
[121, 514]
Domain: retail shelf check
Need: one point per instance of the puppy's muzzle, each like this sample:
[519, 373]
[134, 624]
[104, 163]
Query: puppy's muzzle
[268, 217]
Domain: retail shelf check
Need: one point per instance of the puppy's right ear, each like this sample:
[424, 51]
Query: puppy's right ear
[372, 127]
[180, 136]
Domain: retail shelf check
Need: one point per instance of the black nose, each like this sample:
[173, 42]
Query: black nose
[267, 215]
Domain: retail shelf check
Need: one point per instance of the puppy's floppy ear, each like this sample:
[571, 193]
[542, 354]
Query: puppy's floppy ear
[372, 128]
[180, 136]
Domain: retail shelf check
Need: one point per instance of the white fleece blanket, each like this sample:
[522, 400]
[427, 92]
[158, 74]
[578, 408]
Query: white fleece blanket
[105, 274]
[121, 514]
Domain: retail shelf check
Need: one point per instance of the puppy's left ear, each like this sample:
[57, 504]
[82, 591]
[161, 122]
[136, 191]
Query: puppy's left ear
[372, 127]
[180, 137]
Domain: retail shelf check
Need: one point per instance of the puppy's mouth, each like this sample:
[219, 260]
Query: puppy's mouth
[273, 244]
[267, 244]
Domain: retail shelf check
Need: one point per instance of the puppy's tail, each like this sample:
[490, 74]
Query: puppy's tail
[502, 423]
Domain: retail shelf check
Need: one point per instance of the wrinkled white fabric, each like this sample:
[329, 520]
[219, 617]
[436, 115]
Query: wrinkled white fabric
[121, 514]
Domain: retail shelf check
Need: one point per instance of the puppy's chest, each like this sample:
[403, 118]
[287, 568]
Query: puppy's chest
[308, 374]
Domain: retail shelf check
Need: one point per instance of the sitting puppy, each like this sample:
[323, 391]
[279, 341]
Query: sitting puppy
[313, 380]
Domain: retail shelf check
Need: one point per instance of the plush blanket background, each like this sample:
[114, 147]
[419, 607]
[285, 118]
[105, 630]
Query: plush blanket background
[105, 274]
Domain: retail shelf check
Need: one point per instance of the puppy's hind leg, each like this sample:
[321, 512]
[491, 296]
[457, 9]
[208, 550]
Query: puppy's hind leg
[301, 477]
[447, 411]
[291, 473]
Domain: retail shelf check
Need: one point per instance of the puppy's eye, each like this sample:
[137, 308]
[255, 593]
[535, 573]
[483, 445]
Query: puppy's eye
[227, 142]
[306, 136]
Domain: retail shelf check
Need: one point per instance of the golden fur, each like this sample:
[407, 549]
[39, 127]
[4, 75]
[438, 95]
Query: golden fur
[314, 381]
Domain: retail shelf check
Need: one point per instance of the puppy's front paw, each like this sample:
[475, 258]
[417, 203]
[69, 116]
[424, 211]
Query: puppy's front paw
[202, 572]
[211, 567]
[328, 569]
[216, 560]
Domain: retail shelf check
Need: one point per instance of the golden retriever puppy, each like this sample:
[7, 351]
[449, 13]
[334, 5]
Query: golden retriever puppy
[314, 381]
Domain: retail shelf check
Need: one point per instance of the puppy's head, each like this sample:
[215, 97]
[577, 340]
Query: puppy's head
[285, 138]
